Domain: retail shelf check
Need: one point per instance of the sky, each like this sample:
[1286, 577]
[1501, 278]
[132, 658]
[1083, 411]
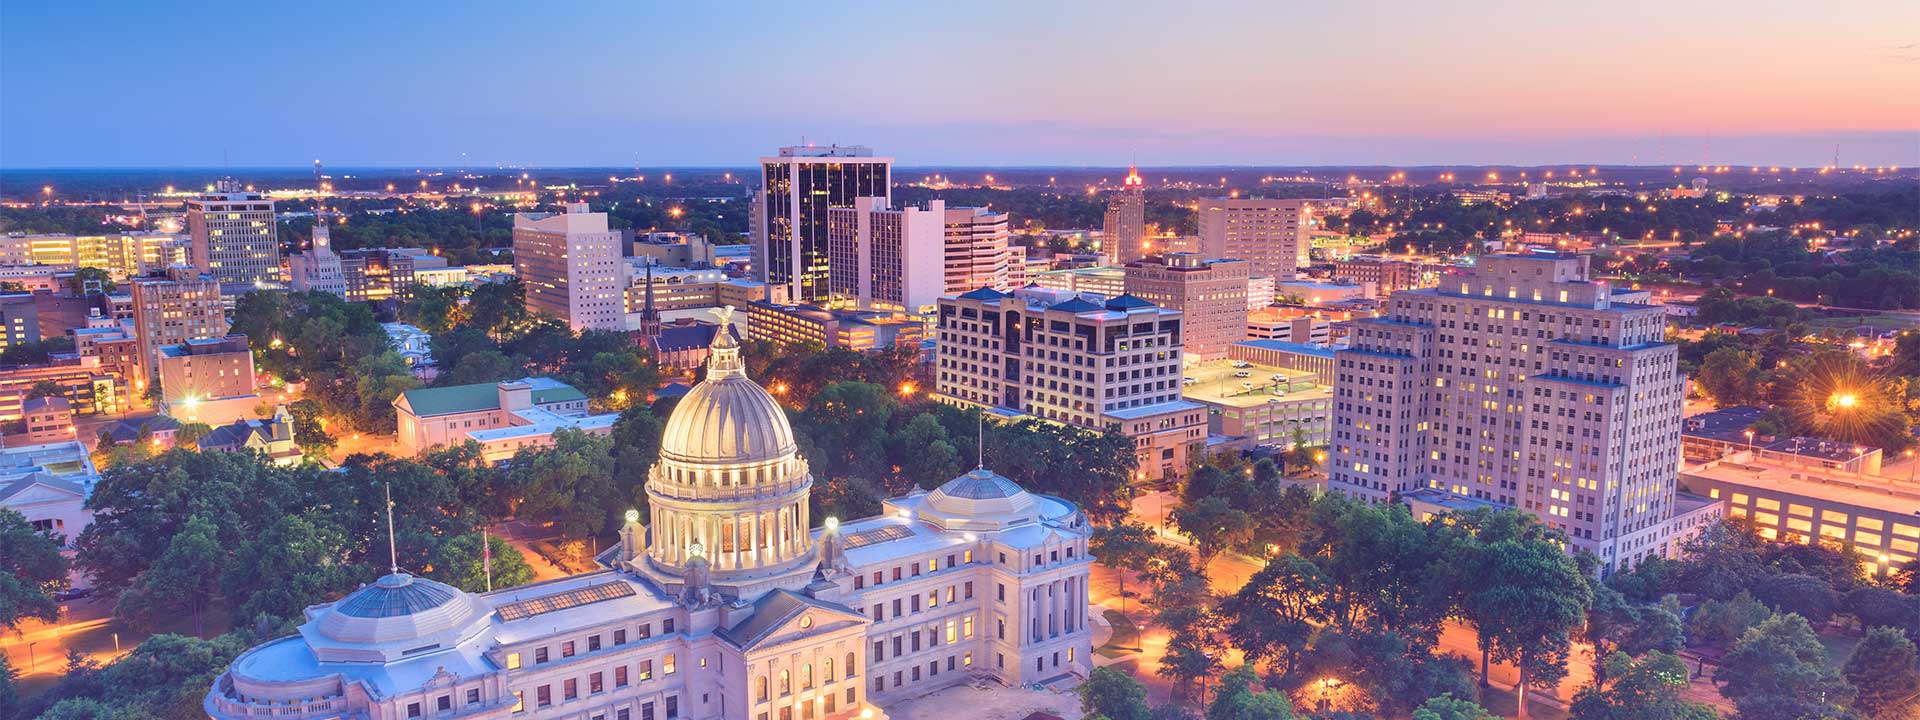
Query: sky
[146, 84]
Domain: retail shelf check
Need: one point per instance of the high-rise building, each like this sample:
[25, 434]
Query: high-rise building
[977, 252]
[318, 269]
[208, 380]
[572, 267]
[788, 222]
[235, 238]
[1272, 235]
[1210, 294]
[885, 258]
[171, 311]
[1520, 384]
[720, 601]
[1082, 360]
[1123, 238]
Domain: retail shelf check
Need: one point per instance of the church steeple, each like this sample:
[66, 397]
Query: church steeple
[649, 316]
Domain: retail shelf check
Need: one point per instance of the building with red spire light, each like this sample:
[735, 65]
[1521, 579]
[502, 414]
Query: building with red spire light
[1125, 236]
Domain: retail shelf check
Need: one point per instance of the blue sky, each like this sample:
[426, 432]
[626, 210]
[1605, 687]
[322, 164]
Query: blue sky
[991, 83]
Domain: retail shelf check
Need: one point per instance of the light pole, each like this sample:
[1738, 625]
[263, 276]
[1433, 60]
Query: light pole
[32, 663]
[1750, 445]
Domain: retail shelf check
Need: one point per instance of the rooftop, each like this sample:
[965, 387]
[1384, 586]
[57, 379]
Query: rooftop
[1291, 347]
[480, 397]
[1832, 486]
[1218, 383]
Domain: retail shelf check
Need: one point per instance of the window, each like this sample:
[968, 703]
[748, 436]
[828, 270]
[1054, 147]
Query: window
[519, 702]
[413, 710]
[966, 627]
[566, 649]
[620, 637]
[760, 694]
[879, 651]
[1003, 591]
[849, 668]
[646, 670]
[539, 655]
[673, 707]
[444, 702]
[569, 689]
[620, 676]
[513, 661]
[667, 666]
[806, 676]
[596, 683]
[473, 696]
[786, 683]
[543, 695]
[969, 589]
[896, 573]
[666, 626]
[593, 643]
[826, 674]
[646, 630]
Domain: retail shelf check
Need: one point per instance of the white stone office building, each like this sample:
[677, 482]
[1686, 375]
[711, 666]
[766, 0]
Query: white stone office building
[1522, 384]
[978, 254]
[318, 269]
[721, 603]
[235, 237]
[572, 267]
[886, 258]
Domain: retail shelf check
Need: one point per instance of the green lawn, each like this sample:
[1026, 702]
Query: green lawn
[1126, 637]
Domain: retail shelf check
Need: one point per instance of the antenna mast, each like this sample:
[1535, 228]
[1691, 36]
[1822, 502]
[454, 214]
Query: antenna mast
[980, 439]
[393, 552]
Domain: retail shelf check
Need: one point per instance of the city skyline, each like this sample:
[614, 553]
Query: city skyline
[1047, 86]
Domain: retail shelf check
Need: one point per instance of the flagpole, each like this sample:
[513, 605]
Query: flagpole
[486, 556]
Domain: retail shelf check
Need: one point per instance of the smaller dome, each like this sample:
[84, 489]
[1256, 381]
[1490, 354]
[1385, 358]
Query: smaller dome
[981, 495]
[397, 607]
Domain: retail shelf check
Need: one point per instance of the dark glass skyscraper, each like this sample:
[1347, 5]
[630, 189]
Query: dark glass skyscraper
[790, 212]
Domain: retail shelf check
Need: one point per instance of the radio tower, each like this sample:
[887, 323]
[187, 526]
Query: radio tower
[319, 180]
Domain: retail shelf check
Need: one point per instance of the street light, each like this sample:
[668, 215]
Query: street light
[1749, 442]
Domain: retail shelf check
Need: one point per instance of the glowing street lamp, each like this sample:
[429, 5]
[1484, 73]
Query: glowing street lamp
[1845, 400]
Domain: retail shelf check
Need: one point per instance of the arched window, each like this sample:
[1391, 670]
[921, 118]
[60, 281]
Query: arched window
[827, 674]
[762, 695]
[806, 676]
[849, 664]
[786, 683]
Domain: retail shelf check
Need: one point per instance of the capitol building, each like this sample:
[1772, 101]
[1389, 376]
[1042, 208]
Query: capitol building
[721, 602]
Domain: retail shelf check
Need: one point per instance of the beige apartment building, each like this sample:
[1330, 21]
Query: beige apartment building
[1524, 384]
[1075, 359]
[977, 251]
[1273, 236]
[885, 258]
[572, 267]
[1210, 294]
[208, 380]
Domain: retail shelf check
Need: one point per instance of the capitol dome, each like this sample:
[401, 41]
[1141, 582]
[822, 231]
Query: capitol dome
[730, 486]
[398, 611]
[727, 417]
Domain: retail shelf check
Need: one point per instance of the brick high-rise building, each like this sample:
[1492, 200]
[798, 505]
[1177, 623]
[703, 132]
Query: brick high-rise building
[1520, 384]
[1211, 294]
[1124, 232]
[1271, 235]
[788, 221]
[235, 238]
[171, 311]
[572, 267]
[1076, 359]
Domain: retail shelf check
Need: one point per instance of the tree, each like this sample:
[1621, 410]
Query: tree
[458, 562]
[1877, 606]
[1779, 671]
[1273, 616]
[1192, 655]
[1530, 597]
[301, 555]
[484, 366]
[1882, 667]
[1804, 595]
[1730, 376]
[1238, 701]
[77, 282]
[923, 452]
[30, 562]
[1213, 525]
[1125, 547]
[186, 577]
[569, 484]
[189, 434]
[1719, 561]
[1448, 707]
[1722, 622]
[308, 430]
[1114, 695]
[1645, 689]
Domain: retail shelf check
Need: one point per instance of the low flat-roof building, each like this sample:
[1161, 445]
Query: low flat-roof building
[503, 417]
[1298, 357]
[1717, 434]
[1267, 405]
[1788, 502]
[208, 380]
[48, 420]
[854, 329]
